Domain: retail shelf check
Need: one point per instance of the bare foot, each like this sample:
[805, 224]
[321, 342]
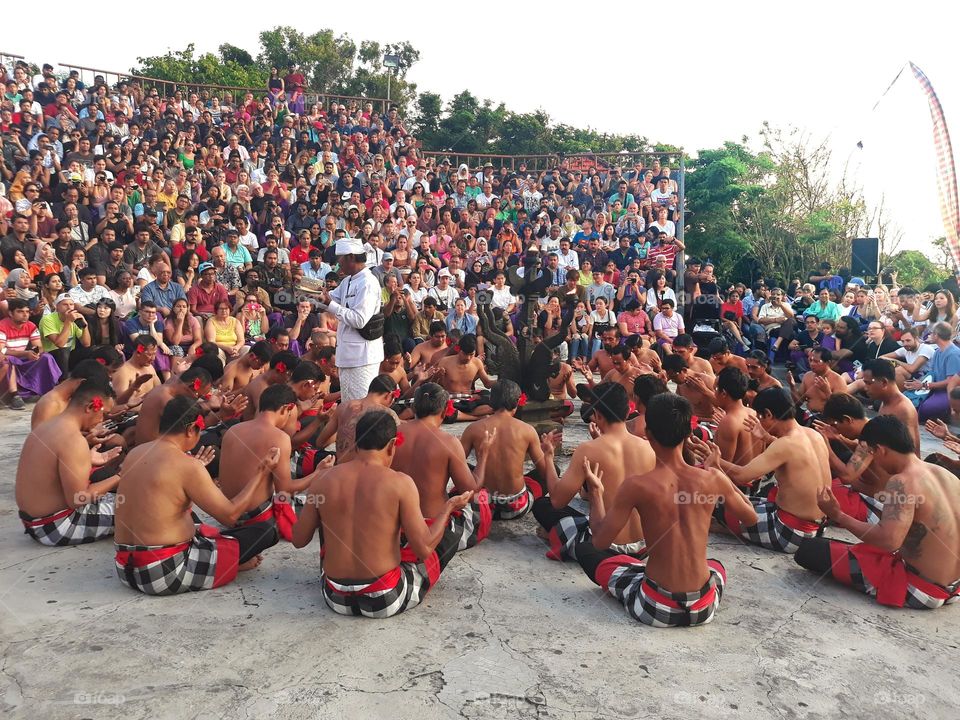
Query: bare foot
[251, 563]
[543, 534]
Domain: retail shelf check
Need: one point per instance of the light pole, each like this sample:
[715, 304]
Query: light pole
[391, 62]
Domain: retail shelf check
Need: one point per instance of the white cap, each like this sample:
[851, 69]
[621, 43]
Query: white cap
[61, 297]
[444, 273]
[349, 246]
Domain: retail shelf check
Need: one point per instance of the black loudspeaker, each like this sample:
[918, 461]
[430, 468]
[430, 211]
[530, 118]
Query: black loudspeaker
[866, 256]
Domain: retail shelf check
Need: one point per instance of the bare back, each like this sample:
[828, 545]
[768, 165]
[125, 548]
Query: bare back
[737, 444]
[39, 487]
[243, 446]
[148, 421]
[803, 472]
[515, 442]
[675, 510]
[360, 519]
[430, 457]
[902, 409]
[932, 543]
[619, 455]
[156, 508]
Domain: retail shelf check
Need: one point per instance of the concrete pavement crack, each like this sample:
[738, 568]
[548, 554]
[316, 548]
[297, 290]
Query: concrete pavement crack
[16, 681]
[773, 634]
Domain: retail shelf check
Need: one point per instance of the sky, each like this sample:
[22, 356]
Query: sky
[694, 74]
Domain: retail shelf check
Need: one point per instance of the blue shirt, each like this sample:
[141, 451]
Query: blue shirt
[163, 297]
[945, 363]
[466, 325]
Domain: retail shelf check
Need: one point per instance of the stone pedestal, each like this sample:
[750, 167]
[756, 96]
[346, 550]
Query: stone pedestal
[540, 413]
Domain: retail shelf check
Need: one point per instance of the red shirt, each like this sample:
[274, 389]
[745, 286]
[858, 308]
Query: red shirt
[200, 250]
[202, 301]
[18, 338]
[299, 256]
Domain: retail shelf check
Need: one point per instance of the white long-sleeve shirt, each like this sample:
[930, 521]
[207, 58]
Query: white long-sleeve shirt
[354, 302]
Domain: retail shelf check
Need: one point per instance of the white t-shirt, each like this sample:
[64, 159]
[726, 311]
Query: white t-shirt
[250, 242]
[416, 296]
[531, 201]
[502, 298]
[910, 357]
[570, 261]
[668, 227]
[669, 326]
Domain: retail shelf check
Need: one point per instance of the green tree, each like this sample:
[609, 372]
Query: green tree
[183, 66]
[327, 60]
[915, 269]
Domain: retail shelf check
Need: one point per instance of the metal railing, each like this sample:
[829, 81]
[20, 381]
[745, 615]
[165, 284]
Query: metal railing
[539, 163]
[167, 88]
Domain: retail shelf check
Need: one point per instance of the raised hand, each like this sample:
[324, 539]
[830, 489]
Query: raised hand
[593, 476]
[206, 454]
[102, 458]
[594, 430]
[487, 442]
[458, 502]
[827, 431]
[828, 502]
[270, 460]
[937, 428]
[549, 442]
[235, 406]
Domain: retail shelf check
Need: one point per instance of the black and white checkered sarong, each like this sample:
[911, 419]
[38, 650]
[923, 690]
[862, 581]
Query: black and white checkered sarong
[73, 527]
[207, 561]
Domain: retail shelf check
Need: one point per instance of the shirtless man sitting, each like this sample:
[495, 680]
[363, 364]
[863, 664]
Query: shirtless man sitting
[277, 372]
[58, 503]
[911, 558]
[623, 372]
[159, 549]
[798, 456]
[736, 442]
[644, 388]
[601, 362]
[856, 481]
[380, 395]
[696, 387]
[758, 369]
[675, 585]
[720, 356]
[433, 458]
[617, 453]
[684, 346]
[817, 384]
[194, 382]
[880, 382]
[423, 353]
[55, 402]
[246, 443]
[240, 372]
[458, 375]
[366, 506]
[511, 493]
[137, 376]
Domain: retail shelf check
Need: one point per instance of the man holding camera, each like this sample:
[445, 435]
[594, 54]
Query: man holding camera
[355, 302]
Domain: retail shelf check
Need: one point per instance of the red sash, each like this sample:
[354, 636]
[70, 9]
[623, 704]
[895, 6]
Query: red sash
[284, 515]
[39, 522]
[387, 581]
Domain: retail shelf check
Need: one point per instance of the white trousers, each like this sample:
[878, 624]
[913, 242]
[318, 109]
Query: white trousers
[355, 381]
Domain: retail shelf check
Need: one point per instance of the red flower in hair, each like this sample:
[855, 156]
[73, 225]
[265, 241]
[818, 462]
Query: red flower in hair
[201, 425]
[694, 421]
[396, 393]
[456, 348]
[449, 342]
[451, 410]
[197, 385]
[102, 361]
[281, 367]
[199, 352]
[632, 407]
[523, 400]
[400, 439]
[141, 349]
[96, 403]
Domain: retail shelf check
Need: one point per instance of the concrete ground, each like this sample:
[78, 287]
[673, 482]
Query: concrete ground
[506, 633]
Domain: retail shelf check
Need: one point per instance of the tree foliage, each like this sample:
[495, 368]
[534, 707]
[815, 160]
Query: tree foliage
[231, 67]
[915, 269]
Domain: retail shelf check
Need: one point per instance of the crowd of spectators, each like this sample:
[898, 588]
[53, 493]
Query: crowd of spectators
[193, 218]
[198, 218]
